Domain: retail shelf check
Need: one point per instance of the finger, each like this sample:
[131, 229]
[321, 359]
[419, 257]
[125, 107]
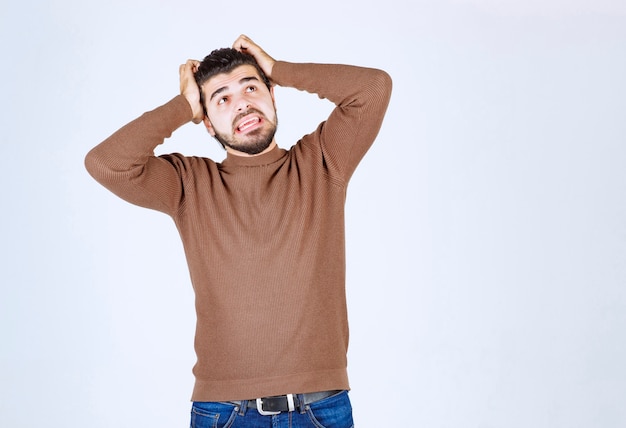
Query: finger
[242, 43]
[237, 42]
[183, 73]
[192, 65]
[188, 68]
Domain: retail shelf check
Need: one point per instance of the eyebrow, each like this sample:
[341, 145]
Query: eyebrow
[224, 88]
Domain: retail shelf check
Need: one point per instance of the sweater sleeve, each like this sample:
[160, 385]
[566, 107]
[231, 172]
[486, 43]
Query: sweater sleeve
[361, 96]
[125, 162]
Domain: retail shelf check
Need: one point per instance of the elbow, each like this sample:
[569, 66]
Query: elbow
[96, 166]
[384, 84]
[380, 87]
[91, 163]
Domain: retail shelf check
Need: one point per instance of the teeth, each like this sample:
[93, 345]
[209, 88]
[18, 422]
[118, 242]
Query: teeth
[248, 123]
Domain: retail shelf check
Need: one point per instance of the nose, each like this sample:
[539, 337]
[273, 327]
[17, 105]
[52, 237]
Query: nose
[242, 103]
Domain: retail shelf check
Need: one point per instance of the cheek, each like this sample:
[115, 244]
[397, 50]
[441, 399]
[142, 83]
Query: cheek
[270, 110]
[217, 121]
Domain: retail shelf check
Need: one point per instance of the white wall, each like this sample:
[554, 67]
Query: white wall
[486, 227]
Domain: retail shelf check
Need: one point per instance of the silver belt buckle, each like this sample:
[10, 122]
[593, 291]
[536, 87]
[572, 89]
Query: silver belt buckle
[259, 406]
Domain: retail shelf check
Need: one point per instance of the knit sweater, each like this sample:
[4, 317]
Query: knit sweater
[263, 235]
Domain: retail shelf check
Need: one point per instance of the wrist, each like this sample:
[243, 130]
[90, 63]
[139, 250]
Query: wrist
[196, 112]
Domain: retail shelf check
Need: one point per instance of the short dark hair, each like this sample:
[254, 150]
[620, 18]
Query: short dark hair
[224, 60]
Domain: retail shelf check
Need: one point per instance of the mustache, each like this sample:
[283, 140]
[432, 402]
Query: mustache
[244, 114]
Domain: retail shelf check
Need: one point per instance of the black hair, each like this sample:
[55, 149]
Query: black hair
[224, 60]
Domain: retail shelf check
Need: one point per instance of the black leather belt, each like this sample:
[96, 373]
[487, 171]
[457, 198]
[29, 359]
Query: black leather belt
[285, 403]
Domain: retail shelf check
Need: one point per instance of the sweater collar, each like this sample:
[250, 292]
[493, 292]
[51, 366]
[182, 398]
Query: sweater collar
[259, 160]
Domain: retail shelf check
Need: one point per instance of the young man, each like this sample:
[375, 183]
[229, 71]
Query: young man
[263, 231]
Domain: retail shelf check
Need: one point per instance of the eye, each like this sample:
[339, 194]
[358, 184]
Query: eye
[222, 100]
[251, 89]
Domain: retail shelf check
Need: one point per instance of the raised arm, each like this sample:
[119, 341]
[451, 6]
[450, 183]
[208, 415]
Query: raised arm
[361, 96]
[125, 162]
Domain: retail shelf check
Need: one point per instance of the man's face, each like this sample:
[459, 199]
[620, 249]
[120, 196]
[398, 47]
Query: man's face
[240, 110]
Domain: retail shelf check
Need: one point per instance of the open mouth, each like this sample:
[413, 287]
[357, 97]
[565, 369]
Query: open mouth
[248, 123]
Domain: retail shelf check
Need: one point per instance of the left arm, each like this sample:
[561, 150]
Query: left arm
[361, 96]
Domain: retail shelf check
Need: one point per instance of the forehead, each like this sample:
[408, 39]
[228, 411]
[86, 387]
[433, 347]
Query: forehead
[235, 77]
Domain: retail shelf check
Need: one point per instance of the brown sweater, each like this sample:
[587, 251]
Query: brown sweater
[263, 235]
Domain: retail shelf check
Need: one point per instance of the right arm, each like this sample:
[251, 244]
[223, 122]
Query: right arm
[125, 162]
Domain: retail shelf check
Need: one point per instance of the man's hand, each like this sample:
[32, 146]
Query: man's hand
[266, 62]
[189, 88]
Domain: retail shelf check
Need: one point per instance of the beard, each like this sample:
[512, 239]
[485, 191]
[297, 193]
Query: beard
[254, 142]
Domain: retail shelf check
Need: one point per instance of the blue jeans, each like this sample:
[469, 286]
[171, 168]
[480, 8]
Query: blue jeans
[332, 412]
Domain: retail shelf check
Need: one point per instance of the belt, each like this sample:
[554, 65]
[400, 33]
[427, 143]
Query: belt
[285, 403]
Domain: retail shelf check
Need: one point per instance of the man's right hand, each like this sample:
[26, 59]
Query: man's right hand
[189, 88]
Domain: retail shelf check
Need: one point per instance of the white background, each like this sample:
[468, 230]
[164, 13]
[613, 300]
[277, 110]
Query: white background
[486, 227]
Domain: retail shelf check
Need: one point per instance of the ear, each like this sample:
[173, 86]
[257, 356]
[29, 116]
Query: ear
[273, 98]
[209, 127]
